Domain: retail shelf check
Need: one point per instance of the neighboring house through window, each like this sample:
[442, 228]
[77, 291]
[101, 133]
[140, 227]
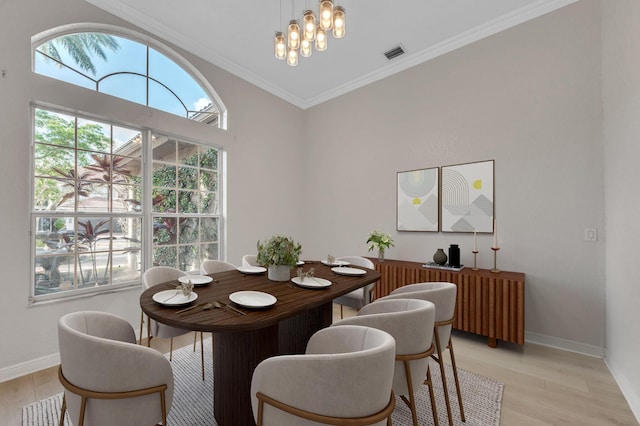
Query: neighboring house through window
[110, 200]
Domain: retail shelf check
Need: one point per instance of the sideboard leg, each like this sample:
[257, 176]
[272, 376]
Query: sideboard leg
[492, 342]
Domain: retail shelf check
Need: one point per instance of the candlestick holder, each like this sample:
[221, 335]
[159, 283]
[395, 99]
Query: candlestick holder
[495, 269]
[475, 254]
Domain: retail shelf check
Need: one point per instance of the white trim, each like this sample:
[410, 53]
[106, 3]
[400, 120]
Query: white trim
[189, 68]
[626, 387]
[29, 367]
[33, 366]
[564, 344]
[490, 28]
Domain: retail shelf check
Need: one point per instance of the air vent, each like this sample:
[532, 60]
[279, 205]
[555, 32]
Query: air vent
[395, 52]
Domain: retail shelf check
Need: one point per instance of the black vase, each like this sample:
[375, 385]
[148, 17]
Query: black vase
[454, 256]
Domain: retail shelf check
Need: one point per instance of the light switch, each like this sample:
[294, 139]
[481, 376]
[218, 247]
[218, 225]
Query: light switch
[591, 234]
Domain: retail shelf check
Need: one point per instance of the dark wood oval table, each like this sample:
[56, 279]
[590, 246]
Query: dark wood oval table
[241, 342]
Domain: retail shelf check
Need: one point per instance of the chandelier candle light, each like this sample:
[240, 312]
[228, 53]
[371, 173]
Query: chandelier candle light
[300, 41]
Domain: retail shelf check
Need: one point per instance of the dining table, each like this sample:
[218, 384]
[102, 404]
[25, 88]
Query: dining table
[256, 318]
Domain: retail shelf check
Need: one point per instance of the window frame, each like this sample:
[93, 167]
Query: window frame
[146, 214]
[66, 106]
[145, 40]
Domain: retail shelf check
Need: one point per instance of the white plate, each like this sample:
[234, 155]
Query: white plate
[311, 282]
[348, 271]
[252, 269]
[300, 262]
[253, 299]
[335, 263]
[174, 297]
[195, 279]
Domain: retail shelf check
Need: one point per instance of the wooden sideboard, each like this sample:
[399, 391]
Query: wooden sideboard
[489, 304]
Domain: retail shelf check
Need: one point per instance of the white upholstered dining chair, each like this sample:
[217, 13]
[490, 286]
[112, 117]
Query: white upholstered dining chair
[331, 383]
[108, 379]
[410, 322]
[250, 260]
[443, 295]
[211, 266]
[360, 296]
[154, 276]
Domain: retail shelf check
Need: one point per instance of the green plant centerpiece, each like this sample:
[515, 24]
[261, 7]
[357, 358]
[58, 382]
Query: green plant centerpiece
[380, 241]
[279, 254]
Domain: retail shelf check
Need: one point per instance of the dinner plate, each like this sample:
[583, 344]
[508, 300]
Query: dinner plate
[300, 262]
[174, 297]
[348, 271]
[335, 263]
[252, 269]
[311, 282]
[253, 299]
[196, 280]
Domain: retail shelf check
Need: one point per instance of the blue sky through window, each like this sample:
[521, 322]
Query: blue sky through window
[124, 75]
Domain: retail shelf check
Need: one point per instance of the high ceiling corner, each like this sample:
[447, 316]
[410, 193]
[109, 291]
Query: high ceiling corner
[238, 37]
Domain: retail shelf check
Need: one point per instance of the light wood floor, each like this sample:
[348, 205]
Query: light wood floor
[543, 386]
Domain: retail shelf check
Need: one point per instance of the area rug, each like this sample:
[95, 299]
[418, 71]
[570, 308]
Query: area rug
[192, 400]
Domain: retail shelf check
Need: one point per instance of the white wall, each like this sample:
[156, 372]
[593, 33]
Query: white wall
[528, 97]
[621, 95]
[263, 144]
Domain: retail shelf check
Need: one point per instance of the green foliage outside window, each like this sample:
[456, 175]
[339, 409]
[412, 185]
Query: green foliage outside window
[184, 195]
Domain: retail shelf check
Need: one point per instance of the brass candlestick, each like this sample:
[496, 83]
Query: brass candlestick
[495, 260]
[475, 254]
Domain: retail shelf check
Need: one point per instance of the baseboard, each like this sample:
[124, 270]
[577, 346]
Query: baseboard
[627, 389]
[564, 344]
[29, 367]
[32, 366]
[48, 361]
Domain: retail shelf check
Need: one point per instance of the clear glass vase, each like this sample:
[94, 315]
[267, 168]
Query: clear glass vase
[381, 255]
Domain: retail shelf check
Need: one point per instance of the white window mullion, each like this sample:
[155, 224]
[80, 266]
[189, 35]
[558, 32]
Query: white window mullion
[147, 207]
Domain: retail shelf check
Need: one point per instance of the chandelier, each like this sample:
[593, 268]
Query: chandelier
[313, 34]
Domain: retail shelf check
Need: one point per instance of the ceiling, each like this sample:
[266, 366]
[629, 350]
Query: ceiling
[237, 35]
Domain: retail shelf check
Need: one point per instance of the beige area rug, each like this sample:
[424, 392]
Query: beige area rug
[192, 398]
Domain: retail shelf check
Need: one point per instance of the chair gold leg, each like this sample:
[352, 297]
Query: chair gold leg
[260, 412]
[341, 313]
[202, 352]
[63, 409]
[83, 408]
[432, 396]
[455, 376]
[442, 373]
[411, 402]
[170, 349]
[141, 322]
[163, 407]
[195, 340]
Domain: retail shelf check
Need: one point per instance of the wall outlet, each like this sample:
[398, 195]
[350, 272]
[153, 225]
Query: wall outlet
[590, 234]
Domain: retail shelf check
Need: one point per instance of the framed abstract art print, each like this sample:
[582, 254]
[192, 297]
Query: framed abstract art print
[418, 200]
[467, 197]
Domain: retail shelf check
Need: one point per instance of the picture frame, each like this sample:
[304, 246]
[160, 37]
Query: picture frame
[467, 195]
[417, 200]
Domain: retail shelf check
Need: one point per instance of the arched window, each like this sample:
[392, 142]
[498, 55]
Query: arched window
[116, 62]
[111, 199]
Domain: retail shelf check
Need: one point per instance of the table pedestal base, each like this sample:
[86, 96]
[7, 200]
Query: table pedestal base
[236, 355]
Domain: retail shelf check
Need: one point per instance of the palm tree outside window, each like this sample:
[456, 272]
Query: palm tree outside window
[90, 229]
[127, 69]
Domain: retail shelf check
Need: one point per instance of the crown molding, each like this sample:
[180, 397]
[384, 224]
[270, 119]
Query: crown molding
[526, 13]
